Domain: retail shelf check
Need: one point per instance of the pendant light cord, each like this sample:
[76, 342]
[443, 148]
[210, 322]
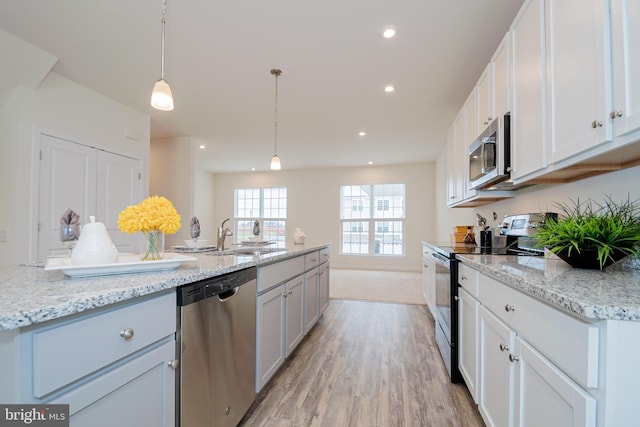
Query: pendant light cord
[275, 122]
[164, 12]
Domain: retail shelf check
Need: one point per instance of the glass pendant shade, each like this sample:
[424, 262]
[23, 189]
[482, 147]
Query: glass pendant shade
[275, 163]
[161, 97]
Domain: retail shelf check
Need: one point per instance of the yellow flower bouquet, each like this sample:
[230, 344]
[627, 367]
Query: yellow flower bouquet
[154, 217]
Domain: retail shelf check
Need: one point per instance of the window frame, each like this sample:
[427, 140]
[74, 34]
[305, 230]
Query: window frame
[244, 222]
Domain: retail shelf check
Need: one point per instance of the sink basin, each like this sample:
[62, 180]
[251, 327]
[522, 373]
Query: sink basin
[243, 250]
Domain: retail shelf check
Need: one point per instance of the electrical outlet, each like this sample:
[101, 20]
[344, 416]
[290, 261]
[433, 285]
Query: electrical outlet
[3, 236]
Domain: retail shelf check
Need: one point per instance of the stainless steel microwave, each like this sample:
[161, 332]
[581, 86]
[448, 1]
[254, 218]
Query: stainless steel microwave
[490, 155]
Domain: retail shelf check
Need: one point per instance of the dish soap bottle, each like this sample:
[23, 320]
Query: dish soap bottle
[468, 238]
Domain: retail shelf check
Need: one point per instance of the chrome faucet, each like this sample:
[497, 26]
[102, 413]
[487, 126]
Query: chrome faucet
[222, 233]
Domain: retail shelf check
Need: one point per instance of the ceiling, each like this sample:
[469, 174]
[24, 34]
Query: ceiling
[334, 61]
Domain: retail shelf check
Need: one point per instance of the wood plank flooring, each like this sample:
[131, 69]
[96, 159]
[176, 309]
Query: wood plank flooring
[365, 364]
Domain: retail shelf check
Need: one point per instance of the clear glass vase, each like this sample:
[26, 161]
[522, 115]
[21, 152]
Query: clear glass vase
[153, 249]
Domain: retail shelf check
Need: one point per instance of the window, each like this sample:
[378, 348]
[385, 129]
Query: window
[372, 219]
[267, 205]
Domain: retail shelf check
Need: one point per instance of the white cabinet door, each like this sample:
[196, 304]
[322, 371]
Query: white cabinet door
[270, 318]
[429, 283]
[67, 181]
[454, 173]
[118, 184]
[579, 83]
[140, 392]
[501, 76]
[496, 371]
[323, 288]
[468, 334]
[529, 90]
[294, 307]
[625, 16]
[485, 98]
[547, 397]
[311, 299]
[465, 139]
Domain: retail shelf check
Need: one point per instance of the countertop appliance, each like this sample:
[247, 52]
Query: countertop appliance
[216, 344]
[490, 154]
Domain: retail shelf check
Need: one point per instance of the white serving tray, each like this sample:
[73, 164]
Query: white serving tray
[126, 263]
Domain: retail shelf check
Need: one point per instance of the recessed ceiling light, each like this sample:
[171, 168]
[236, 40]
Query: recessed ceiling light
[389, 32]
[202, 147]
[389, 88]
[370, 162]
[362, 133]
[253, 169]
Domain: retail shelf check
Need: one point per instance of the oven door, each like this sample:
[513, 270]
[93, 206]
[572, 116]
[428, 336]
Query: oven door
[447, 312]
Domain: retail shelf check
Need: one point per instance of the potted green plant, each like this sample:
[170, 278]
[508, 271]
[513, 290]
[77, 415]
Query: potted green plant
[592, 235]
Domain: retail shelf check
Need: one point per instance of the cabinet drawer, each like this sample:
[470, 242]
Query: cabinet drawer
[311, 260]
[324, 255]
[570, 343]
[274, 274]
[468, 279]
[69, 351]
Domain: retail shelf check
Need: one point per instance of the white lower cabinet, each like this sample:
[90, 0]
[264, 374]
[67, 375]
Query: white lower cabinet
[544, 396]
[468, 350]
[311, 313]
[323, 288]
[519, 375]
[496, 371]
[280, 327]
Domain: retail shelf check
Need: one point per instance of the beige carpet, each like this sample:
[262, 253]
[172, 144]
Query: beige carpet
[368, 285]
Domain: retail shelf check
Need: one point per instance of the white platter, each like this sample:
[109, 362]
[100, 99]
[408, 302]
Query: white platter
[126, 263]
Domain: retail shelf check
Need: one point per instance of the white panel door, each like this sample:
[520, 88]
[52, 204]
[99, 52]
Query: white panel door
[311, 314]
[529, 90]
[547, 397]
[67, 181]
[294, 312]
[579, 83]
[118, 184]
[468, 334]
[625, 16]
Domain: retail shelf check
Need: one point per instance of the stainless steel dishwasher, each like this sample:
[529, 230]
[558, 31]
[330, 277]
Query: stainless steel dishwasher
[216, 344]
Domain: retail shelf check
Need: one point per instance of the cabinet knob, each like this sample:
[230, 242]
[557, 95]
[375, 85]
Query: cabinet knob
[457, 298]
[615, 113]
[173, 364]
[596, 124]
[509, 307]
[284, 295]
[127, 334]
[463, 277]
[513, 358]
[504, 347]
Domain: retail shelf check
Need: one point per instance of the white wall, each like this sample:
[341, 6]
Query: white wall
[314, 205]
[67, 110]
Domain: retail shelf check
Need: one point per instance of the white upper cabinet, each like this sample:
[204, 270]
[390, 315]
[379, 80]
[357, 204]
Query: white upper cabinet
[625, 26]
[485, 98]
[579, 84]
[466, 138]
[529, 90]
[501, 78]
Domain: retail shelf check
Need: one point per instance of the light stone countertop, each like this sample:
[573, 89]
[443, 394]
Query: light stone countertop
[30, 295]
[590, 294]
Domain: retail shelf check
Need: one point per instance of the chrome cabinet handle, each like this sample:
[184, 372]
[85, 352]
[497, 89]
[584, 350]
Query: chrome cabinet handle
[127, 334]
[509, 307]
[173, 364]
[596, 124]
[504, 347]
[615, 113]
[513, 358]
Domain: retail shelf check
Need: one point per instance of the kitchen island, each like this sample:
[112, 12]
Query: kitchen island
[106, 346]
[542, 343]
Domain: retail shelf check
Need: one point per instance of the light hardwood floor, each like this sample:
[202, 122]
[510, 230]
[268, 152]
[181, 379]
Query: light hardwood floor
[365, 364]
[404, 287]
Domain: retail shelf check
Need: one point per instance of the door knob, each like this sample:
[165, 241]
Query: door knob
[615, 113]
[127, 334]
[173, 364]
[596, 124]
[513, 358]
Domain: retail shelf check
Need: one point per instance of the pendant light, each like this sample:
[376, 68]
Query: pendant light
[161, 97]
[275, 160]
